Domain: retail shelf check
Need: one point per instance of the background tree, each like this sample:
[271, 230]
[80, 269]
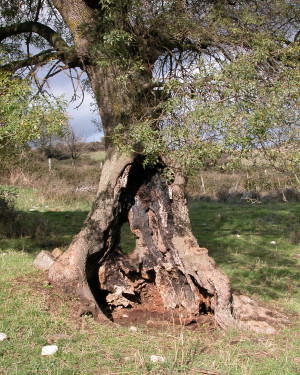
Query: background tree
[74, 144]
[180, 78]
[25, 117]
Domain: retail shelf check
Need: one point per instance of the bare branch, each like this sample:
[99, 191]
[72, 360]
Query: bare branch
[52, 37]
[40, 59]
[28, 39]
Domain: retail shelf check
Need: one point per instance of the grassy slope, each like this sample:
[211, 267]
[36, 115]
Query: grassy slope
[30, 310]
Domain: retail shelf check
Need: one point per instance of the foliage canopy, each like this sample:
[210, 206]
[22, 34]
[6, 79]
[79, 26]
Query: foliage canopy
[25, 115]
[192, 79]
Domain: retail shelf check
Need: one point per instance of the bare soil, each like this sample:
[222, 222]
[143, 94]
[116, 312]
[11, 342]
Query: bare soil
[151, 312]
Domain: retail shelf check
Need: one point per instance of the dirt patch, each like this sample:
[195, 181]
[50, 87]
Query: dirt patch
[151, 313]
[142, 315]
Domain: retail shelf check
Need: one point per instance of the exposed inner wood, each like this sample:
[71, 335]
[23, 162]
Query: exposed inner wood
[146, 201]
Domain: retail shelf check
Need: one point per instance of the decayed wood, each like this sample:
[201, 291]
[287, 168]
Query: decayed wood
[166, 252]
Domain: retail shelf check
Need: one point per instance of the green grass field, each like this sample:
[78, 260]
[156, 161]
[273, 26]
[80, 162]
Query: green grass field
[256, 245]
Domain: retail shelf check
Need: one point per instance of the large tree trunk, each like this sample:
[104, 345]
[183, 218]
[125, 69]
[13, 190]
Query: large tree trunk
[166, 255]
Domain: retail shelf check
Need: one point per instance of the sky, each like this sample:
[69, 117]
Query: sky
[82, 118]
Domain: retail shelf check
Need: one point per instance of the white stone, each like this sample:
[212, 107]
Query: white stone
[125, 316]
[44, 260]
[49, 350]
[157, 358]
[238, 236]
[3, 336]
[133, 329]
[273, 242]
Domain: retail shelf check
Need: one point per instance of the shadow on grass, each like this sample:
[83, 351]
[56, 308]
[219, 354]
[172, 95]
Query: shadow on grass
[44, 230]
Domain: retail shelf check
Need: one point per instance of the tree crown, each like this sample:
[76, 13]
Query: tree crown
[204, 77]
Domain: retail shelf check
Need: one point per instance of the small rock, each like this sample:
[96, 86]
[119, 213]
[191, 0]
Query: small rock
[3, 336]
[238, 236]
[125, 316]
[157, 358]
[273, 242]
[32, 209]
[44, 260]
[56, 253]
[204, 224]
[49, 350]
[133, 329]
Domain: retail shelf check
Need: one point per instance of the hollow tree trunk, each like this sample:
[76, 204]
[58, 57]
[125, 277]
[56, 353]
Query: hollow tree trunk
[166, 255]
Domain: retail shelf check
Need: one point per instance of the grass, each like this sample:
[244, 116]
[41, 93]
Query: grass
[256, 245]
[238, 237]
[97, 155]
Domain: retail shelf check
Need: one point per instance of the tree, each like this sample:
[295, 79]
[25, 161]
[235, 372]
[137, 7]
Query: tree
[74, 144]
[175, 81]
[25, 116]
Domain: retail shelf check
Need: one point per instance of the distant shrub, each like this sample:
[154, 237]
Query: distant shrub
[251, 196]
[225, 195]
[292, 195]
[94, 146]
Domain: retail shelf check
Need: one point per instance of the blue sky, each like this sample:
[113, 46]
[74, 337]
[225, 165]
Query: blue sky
[81, 118]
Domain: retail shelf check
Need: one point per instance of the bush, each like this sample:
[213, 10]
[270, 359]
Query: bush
[230, 195]
[292, 195]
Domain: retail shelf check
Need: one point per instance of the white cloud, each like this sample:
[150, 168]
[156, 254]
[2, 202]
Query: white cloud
[81, 117]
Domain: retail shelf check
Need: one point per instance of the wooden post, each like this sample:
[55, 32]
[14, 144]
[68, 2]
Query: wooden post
[202, 182]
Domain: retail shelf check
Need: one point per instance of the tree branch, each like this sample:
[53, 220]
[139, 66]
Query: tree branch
[43, 58]
[52, 37]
